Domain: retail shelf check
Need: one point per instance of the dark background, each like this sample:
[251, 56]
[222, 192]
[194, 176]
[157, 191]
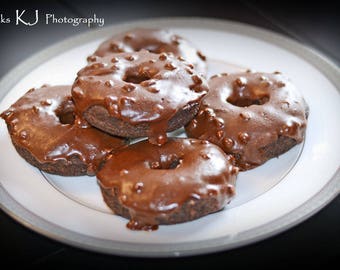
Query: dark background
[315, 242]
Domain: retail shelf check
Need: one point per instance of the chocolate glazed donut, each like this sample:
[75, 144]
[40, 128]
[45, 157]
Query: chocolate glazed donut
[48, 135]
[155, 41]
[138, 94]
[253, 116]
[183, 180]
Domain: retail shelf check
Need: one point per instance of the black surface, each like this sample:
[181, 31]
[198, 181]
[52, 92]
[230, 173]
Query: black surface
[315, 242]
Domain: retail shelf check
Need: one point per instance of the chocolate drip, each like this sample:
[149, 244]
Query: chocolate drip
[139, 88]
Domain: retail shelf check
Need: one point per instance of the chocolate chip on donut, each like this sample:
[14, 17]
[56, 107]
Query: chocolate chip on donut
[48, 135]
[138, 94]
[253, 116]
[156, 41]
[183, 180]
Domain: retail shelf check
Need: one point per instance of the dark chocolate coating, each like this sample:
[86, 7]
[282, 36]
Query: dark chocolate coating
[183, 180]
[143, 94]
[48, 135]
[253, 116]
[156, 41]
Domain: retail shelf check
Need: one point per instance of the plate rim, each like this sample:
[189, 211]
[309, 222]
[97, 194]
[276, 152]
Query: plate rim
[36, 223]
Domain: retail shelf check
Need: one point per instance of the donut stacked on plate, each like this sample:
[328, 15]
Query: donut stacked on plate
[141, 84]
[146, 83]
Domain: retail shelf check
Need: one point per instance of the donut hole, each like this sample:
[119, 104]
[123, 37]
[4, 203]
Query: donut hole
[246, 102]
[66, 118]
[246, 98]
[166, 162]
[65, 113]
[139, 74]
[151, 48]
[135, 78]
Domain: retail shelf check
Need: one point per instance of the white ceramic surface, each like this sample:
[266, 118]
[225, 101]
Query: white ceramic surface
[269, 199]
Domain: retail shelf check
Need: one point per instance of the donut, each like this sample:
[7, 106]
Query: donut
[253, 116]
[185, 179]
[48, 135]
[156, 41]
[138, 94]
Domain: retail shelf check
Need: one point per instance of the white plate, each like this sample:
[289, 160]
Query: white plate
[269, 199]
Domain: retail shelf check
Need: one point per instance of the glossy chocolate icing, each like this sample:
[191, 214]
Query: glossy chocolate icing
[245, 112]
[43, 122]
[139, 87]
[153, 182]
[156, 41]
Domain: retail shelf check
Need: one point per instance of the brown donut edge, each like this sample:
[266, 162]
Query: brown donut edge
[282, 145]
[100, 118]
[190, 210]
[74, 167]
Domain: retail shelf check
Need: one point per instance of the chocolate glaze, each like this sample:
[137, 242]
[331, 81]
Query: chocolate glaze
[245, 112]
[153, 182]
[44, 123]
[156, 41]
[139, 87]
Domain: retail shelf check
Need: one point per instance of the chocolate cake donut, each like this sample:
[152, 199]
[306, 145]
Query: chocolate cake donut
[138, 94]
[183, 180]
[48, 135]
[253, 116]
[155, 41]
